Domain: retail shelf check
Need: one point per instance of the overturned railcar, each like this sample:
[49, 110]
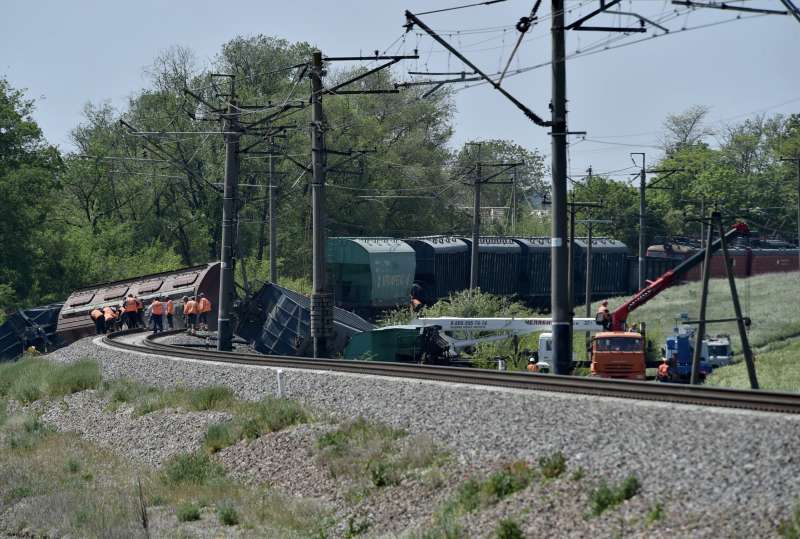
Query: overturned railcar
[74, 322]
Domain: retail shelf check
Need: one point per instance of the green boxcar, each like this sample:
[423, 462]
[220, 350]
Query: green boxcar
[397, 343]
[370, 273]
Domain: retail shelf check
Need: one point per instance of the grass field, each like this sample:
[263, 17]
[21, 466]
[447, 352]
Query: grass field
[777, 369]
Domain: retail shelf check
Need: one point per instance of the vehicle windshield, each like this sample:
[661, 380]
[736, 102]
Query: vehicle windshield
[718, 350]
[618, 344]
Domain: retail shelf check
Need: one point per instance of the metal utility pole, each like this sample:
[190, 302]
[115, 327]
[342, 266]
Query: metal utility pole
[273, 221]
[514, 203]
[588, 297]
[321, 307]
[748, 353]
[701, 328]
[562, 319]
[226, 286]
[642, 186]
[796, 161]
[573, 208]
[474, 267]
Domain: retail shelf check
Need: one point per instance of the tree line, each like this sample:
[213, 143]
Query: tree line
[120, 204]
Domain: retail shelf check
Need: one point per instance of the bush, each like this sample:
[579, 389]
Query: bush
[553, 466]
[605, 496]
[510, 479]
[508, 529]
[210, 398]
[192, 468]
[27, 433]
[188, 512]
[228, 515]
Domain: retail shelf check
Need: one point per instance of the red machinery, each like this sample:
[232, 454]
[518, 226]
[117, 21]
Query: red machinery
[653, 288]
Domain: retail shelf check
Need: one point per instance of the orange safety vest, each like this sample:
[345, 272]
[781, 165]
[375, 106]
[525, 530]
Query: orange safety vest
[533, 367]
[109, 314]
[663, 370]
[203, 306]
[97, 313]
[157, 308]
[131, 305]
[189, 307]
[170, 307]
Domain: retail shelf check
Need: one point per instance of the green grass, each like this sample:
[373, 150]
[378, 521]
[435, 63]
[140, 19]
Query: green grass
[210, 398]
[655, 514]
[187, 512]
[26, 432]
[373, 454]
[790, 528]
[508, 529]
[607, 496]
[31, 379]
[191, 469]
[228, 515]
[252, 420]
[553, 466]
[777, 369]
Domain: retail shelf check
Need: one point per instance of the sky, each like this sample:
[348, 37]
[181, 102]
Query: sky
[68, 54]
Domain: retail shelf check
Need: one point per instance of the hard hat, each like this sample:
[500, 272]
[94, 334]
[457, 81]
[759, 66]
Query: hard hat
[664, 359]
[531, 360]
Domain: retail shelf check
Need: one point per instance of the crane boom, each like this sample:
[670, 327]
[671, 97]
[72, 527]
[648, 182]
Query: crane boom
[515, 325]
[654, 288]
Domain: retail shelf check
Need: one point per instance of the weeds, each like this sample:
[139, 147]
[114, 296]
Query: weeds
[578, 474]
[356, 527]
[508, 529]
[553, 466]
[219, 436]
[655, 514]
[210, 398]
[25, 433]
[228, 515]
[605, 497]
[790, 528]
[187, 512]
[191, 468]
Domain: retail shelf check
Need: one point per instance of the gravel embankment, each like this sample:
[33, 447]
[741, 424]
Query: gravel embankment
[716, 472]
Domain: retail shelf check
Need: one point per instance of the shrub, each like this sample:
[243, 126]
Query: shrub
[27, 433]
[210, 398]
[228, 515]
[506, 481]
[192, 468]
[605, 496]
[508, 529]
[188, 512]
[553, 466]
[219, 436]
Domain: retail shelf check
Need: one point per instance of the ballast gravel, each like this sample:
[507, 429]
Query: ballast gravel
[715, 472]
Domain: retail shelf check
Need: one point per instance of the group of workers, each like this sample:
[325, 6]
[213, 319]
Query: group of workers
[130, 314]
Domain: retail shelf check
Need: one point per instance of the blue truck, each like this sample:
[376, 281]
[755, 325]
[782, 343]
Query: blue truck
[678, 353]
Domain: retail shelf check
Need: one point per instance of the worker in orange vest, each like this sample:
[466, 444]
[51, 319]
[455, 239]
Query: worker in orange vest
[99, 321]
[190, 310]
[157, 315]
[663, 370]
[170, 313]
[109, 318]
[203, 307]
[129, 314]
[603, 314]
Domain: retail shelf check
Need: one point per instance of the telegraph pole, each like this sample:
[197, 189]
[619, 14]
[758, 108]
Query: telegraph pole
[474, 266]
[562, 319]
[642, 186]
[321, 309]
[273, 221]
[232, 136]
[514, 203]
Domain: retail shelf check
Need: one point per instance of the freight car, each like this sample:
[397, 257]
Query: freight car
[754, 257]
[74, 322]
[442, 266]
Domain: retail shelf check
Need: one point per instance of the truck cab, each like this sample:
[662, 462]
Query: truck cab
[717, 350]
[618, 354]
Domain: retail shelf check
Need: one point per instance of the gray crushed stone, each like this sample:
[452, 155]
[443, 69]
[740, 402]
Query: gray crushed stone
[712, 469]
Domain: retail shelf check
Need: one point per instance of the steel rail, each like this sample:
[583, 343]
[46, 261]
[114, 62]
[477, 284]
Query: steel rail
[764, 401]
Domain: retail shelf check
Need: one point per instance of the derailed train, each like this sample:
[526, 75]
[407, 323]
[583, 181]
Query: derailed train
[373, 274]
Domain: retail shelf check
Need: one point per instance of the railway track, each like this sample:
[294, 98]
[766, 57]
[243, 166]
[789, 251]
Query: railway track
[763, 401]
